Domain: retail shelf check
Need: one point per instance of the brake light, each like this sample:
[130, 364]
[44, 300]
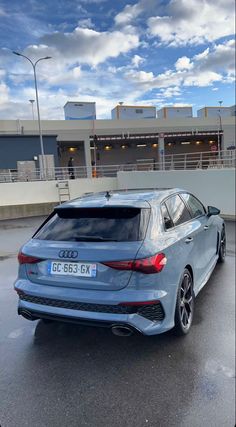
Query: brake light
[149, 265]
[26, 259]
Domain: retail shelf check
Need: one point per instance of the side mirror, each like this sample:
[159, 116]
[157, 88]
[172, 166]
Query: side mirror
[211, 210]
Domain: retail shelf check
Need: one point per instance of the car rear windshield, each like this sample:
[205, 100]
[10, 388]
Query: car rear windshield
[95, 224]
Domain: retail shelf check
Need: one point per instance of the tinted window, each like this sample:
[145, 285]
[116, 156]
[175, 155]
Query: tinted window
[196, 208]
[177, 210]
[95, 224]
[166, 217]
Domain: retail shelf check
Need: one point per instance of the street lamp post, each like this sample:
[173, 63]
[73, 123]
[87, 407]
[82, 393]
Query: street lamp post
[37, 102]
[219, 129]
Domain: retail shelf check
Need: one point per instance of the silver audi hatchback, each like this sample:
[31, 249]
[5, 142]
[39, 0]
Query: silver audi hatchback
[127, 260]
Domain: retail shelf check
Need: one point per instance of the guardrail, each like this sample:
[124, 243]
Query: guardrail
[186, 161]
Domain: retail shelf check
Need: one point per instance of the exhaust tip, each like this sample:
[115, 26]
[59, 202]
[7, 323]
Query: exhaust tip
[121, 331]
[26, 314]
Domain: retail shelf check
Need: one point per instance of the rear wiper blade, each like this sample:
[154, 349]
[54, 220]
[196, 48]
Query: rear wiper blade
[94, 239]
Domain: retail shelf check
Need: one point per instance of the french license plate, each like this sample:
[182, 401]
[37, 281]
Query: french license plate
[78, 269]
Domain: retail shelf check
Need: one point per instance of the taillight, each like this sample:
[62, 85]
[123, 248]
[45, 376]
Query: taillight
[149, 265]
[26, 259]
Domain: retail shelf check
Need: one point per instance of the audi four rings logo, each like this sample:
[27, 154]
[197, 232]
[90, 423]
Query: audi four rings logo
[68, 254]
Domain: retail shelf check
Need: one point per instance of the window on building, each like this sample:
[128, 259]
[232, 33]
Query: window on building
[139, 111]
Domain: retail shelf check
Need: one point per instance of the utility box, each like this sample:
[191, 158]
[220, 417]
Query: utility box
[133, 112]
[26, 170]
[80, 111]
[175, 112]
[49, 166]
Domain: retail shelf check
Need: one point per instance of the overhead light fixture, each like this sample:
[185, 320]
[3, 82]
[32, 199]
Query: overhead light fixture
[198, 142]
[124, 147]
[169, 143]
[141, 145]
[72, 149]
[155, 145]
[92, 148]
[185, 143]
[211, 142]
[108, 147]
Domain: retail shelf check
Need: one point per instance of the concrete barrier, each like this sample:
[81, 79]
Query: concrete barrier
[215, 187]
[24, 199]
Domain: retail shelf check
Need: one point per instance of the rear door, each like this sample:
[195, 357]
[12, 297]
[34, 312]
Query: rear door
[80, 240]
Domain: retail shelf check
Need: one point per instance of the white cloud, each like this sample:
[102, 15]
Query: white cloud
[4, 93]
[130, 13]
[170, 92]
[202, 79]
[137, 60]
[202, 55]
[212, 65]
[193, 22]
[183, 63]
[85, 23]
[2, 12]
[88, 46]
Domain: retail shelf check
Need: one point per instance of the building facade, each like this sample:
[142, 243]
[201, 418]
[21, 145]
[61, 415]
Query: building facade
[175, 112]
[80, 110]
[107, 142]
[214, 112]
[131, 112]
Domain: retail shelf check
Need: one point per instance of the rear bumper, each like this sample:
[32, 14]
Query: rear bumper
[110, 298]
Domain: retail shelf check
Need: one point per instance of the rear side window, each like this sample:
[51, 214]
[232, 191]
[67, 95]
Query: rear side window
[177, 210]
[195, 206]
[96, 224]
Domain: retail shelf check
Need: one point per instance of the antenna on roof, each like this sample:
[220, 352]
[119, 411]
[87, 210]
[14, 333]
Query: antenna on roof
[107, 195]
[121, 103]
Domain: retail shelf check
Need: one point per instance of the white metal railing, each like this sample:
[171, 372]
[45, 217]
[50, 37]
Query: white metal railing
[186, 161]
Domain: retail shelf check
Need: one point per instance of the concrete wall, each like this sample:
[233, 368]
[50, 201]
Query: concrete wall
[213, 187]
[21, 193]
[24, 199]
[103, 127]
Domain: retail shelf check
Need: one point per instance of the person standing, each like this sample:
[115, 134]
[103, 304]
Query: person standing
[71, 168]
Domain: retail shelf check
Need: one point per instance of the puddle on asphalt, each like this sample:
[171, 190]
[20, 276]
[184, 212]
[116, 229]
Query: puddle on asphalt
[213, 367]
[7, 256]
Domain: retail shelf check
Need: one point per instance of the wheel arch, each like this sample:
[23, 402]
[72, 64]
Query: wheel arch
[189, 268]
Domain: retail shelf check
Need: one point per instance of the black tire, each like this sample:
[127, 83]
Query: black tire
[222, 248]
[47, 321]
[184, 305]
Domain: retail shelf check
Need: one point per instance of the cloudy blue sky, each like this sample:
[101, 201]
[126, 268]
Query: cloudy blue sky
[157, 52]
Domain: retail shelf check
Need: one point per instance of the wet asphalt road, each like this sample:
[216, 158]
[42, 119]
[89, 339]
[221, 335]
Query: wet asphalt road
[67, 375]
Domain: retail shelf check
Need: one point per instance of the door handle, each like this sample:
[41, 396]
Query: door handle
[189, 239]
[206, 227]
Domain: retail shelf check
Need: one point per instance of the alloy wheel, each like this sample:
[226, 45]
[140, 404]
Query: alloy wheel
[186, 301]
[223, 243]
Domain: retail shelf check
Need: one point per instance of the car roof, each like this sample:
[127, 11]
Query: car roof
[128, 198]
